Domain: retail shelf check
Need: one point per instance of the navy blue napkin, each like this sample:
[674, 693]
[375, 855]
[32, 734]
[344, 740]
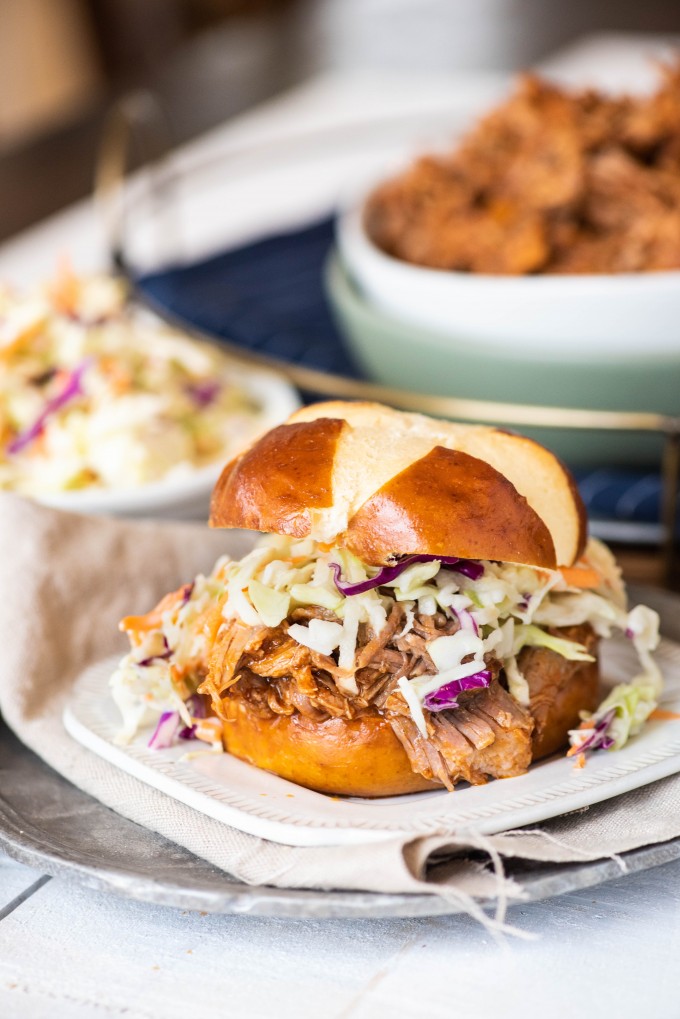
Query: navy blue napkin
[268, 296]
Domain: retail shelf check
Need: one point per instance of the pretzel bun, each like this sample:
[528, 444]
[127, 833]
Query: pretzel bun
[384, 483]
[359, 757]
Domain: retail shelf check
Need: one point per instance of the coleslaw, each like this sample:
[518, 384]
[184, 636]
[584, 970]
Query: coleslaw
[94, 393]
[501, 608]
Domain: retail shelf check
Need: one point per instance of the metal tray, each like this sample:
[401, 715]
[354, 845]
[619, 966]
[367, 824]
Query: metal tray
[48, 824]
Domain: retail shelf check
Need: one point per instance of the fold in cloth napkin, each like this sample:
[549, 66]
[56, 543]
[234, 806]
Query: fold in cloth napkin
[67, 580]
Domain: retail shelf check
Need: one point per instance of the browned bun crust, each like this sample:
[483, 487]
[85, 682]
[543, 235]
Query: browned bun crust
[455, 501]
[361, 757]
[385, 483]
[273, 485]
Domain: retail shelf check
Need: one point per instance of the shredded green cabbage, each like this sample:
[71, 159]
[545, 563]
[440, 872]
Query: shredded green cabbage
[272, 606]
[534, 636]
[507, 608]
[633, 703]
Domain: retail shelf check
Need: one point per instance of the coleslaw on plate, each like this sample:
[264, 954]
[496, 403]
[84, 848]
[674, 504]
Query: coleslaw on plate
[95, 393]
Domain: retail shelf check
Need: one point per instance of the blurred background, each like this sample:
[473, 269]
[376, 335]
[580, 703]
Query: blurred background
[62, 62]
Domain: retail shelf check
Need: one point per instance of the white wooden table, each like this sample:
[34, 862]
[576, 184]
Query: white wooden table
[69, 952]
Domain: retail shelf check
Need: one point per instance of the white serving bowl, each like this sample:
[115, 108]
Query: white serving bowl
[183, 494]
[580, 316]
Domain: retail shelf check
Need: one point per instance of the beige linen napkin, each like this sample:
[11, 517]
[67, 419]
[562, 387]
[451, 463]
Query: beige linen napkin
[67, 580]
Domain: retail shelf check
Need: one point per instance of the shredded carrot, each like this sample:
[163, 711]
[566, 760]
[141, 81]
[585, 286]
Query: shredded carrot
[294, 560]
[39, 445]
[141, 624]
[119, 379]
[660, 715]
[581, 576]
[580, 761]
[210, 621]
[154, 619]
[22, 338]
[208, 729]
[66, 287]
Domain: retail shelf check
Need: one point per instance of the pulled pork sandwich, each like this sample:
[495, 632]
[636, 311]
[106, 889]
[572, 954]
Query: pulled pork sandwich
[423, 609]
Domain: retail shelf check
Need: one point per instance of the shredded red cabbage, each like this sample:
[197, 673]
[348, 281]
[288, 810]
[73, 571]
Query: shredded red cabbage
[96, 320]
[170, 727]
[157, 658]
[446, 697]
[466, 619]
[166, 730]
[187, 592]
[598, 739]
[197, 709]
[468, 567]
[72, 389]
[203, 393]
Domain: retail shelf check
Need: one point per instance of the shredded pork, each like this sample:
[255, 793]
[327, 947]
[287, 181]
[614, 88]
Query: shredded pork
[488, 736]
[551, 181]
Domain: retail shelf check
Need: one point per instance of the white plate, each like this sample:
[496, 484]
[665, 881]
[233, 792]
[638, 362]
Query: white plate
[262, 804]
[187, 494]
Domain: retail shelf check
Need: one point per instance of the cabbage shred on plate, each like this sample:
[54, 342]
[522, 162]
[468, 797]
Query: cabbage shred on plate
[94, 393]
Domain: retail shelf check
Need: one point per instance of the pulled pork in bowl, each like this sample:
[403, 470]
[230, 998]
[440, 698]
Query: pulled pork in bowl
[555, 223]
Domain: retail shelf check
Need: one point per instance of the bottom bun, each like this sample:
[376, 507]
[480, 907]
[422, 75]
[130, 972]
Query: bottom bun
[558, 690]
[360, 757]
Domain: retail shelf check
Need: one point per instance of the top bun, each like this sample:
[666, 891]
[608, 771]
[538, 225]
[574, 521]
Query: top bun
[384, 483]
